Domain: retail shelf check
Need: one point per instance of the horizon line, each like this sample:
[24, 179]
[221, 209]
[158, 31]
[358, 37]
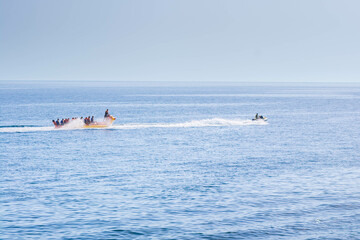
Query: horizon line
[164, 81]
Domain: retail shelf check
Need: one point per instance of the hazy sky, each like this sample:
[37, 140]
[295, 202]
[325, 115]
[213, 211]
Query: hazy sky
[180, 40]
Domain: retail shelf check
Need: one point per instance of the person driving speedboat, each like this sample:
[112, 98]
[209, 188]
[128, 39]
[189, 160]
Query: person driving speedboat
[259, 117]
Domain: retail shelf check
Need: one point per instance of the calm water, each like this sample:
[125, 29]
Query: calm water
[181, 163]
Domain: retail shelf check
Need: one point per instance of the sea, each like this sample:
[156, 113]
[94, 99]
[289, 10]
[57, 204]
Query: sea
[181, 161]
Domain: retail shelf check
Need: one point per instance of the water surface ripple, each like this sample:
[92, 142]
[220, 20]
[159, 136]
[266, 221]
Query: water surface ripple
[181, 163]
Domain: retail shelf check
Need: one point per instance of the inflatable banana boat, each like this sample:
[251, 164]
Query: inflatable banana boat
[85, 123]
[106, 123]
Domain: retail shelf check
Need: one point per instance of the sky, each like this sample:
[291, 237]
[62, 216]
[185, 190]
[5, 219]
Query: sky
[180, 40]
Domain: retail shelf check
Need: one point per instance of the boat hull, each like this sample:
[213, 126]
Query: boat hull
[260, 119]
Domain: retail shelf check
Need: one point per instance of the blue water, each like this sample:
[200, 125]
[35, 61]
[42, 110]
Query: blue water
[181, 163]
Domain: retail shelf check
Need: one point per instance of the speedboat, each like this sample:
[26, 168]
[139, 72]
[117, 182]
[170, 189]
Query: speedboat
[261, 118]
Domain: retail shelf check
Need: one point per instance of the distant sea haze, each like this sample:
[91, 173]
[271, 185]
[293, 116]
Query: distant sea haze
[181, 161]
[170, 83]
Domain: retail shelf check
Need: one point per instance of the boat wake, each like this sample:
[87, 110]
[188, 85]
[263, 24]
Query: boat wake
[213, 122]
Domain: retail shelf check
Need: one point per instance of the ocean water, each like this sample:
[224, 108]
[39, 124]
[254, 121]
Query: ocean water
[181, 162]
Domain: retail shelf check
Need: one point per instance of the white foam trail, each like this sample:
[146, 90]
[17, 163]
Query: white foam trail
[25, 129]
[73, 124]
[78, 124]
[213, 122]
